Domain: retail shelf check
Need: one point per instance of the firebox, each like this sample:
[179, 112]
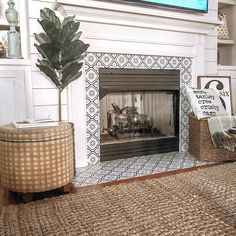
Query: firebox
[139, 112]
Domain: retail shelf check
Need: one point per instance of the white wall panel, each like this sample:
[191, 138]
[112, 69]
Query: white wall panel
[48, 96]
[211, 42]
[212, 32]
[36, 5]
[211, 52]
[50, 111]
[233, 89]
[34, 57]
[211, 55]
[39, 80]
[32, 42]
[211, 68]
[34, 26]
[213, 5]
[12, 96]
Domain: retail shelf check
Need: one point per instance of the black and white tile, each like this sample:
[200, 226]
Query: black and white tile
[132, 167]
[95, 60]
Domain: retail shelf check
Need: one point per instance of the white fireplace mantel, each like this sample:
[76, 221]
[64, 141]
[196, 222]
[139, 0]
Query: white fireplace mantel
[117, 29]
[144, 16]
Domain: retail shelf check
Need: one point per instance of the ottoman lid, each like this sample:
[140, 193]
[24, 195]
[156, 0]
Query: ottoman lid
[11, 134]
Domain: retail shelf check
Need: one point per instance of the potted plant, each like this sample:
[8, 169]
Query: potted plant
[61, 49]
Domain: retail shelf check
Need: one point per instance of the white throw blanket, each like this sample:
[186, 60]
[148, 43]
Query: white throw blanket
[221, 138]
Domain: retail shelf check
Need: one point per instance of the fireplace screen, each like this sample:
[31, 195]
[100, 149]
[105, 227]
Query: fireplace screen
[127, 116]
[139, 112]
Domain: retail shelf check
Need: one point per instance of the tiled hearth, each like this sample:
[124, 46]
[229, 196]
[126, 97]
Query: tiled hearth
[95, 60]
[132, 167]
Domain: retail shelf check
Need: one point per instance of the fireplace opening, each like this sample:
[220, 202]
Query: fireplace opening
[139, 112]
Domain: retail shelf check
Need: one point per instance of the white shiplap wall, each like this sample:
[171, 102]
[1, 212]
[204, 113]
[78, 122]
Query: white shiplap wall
[211, 53]
[45, 96]
[211, 44]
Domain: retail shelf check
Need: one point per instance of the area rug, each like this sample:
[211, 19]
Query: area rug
[198, 202]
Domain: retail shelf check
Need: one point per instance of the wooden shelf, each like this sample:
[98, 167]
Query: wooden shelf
[226, 41]
[226, 68]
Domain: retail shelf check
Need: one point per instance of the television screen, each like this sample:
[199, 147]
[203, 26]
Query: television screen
[195, 5]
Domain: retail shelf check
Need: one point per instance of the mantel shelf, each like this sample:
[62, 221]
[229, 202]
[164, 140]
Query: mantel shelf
[115, 13]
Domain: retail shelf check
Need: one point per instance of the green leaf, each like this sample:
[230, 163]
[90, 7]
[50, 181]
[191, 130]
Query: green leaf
[80, 57]
[71, 51]
[70, 79]
[67, 19]
[45, 62]
[52, 53]
[50, 73]
[77, 59]
[51, 30]
[41, 52]
[49, 15]
[76, 36]
[42, 38]
[69, 70]
[60, 47]
[69, 30]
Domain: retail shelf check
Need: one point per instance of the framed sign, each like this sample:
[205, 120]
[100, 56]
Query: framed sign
[221, 85]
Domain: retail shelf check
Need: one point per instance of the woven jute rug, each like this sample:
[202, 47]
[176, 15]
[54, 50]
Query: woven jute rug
[200, 202]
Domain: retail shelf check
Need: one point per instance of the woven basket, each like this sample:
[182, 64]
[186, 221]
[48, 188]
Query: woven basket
[36, 159]
[200, 144]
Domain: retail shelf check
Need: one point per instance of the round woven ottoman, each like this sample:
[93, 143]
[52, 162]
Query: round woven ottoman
[36, 159]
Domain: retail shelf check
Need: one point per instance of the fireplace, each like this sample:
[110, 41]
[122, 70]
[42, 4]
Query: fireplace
[139, 112]
[133, 37]
[96, 61]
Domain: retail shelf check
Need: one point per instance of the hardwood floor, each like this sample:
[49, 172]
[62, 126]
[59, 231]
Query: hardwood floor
[8, 197]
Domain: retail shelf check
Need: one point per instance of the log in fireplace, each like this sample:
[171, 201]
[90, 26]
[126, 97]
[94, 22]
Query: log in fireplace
[139, 112]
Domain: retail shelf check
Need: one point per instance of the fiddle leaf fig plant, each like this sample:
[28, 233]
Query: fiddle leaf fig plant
[61, 50]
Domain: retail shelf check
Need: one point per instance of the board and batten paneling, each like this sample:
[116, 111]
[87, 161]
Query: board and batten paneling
[211, 53]
[12, 96]
[50, 110]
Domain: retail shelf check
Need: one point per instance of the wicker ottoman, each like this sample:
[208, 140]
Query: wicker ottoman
[36, 159]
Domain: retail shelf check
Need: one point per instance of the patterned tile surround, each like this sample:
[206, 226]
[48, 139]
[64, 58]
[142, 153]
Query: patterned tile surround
[137, 166]
[95, 60]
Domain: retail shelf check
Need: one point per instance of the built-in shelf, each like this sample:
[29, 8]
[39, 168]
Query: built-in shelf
[226, 41]
[226, 68]
[227, 48]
